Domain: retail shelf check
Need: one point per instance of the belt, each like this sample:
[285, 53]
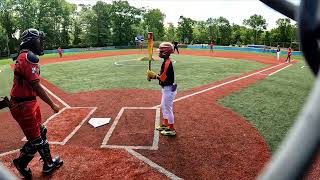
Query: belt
[24, 99]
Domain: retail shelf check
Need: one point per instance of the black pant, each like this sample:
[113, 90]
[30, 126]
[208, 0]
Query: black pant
[176, 48]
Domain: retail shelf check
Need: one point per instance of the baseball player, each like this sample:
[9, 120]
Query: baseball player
[176, 47]
[168, 89]
[25, 108]
[289, 55]
[278, 52]
[60, 52]
[211, 46]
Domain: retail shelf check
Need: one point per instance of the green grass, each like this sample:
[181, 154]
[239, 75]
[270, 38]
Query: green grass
[282, 56]
[5, 62]
[102, 73]
[6, 76]
[272, 105]
[46, 56]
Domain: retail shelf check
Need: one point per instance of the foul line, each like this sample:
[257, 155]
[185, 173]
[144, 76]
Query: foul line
[55, 96]
[279, 70]
[225, 83]
[152, 164]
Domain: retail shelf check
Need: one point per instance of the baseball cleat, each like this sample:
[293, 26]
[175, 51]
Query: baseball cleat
[168, 132]
[162, 128]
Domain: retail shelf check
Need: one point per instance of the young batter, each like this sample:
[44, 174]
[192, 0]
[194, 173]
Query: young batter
[168, 89]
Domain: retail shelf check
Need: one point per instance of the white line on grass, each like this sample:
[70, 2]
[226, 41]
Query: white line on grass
[222, 84]
[279, 70]
[152, 164]
[55, 96]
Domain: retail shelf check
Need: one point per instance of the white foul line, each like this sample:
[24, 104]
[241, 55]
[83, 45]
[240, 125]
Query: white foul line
[279, 70]
[219, 85]
[57, 98]
[152, 164]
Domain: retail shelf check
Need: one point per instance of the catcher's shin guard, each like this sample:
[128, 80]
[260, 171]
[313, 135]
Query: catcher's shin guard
[27, 153]
[49, 164]
[43, 132]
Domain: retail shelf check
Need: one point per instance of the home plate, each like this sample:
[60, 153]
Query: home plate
[96, 122]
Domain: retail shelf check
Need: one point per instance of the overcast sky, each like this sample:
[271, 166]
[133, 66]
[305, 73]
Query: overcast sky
[234, 10]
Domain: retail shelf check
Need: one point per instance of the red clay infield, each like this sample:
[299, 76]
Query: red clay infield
[213, 142]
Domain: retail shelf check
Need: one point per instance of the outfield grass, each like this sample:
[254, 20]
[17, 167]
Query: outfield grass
[47, 56]
[271, 105]
[102, 73]
[5, 62]
[6, 77]
[282, 56]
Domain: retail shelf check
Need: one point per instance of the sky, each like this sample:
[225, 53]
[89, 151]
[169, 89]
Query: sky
[234, 10]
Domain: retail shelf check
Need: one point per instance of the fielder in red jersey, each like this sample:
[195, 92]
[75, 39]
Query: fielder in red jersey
[289, 55]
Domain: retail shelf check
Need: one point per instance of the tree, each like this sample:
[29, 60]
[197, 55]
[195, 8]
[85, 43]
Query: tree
[200, 32]
[153, 21]
[212, 29]
[285, 30]
[185, 30]
[170, 33]
[257, 23]
[28, 13]
[235, 34]
[123, 18]
[224, 30]
[3, 40]
[8, 21]
[100, 23]
[67, 10]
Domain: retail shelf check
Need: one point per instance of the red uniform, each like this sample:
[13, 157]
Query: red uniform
[60, 52]
[289, 52]
[25, 109]
[211, 45]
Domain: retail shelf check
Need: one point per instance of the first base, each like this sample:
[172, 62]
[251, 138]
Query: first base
[96, 122]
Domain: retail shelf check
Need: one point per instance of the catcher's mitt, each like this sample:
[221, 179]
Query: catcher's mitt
[4, 102]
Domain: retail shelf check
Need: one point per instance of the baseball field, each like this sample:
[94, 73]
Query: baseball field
[232, 111]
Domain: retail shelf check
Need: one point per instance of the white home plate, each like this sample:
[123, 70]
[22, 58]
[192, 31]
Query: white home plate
[96, 122]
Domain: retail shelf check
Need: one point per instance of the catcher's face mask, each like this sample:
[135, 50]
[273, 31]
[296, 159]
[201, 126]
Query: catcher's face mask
[33, 39]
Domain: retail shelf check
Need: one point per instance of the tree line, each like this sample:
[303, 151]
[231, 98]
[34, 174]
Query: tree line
[103, 24]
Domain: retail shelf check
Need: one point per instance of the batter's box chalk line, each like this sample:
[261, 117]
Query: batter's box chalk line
[130, 149]
[155, 143]
[74, 131]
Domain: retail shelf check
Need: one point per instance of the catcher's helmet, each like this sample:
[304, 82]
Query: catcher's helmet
[32, 39]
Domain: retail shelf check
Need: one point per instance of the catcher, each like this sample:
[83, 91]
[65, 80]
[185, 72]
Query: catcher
[168, 89]
[25, 108]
